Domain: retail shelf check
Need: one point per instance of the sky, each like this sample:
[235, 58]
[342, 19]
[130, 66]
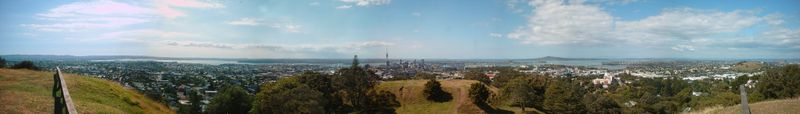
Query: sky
[444, 29]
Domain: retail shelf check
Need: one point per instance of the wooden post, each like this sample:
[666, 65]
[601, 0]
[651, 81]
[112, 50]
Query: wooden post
[743, 93]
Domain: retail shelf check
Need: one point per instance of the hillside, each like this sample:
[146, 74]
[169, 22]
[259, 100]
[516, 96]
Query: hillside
[27, 91]
[747, 66]
[784, 106]
[413, 102]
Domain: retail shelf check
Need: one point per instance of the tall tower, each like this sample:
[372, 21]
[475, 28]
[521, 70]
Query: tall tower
[387, 57]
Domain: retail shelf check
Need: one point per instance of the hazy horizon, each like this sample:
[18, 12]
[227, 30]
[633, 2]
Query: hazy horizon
[442, 29]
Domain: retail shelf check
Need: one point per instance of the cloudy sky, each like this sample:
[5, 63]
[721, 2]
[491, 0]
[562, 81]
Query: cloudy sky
[457, 29]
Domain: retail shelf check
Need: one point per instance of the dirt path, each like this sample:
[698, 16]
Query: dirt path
[460, 95]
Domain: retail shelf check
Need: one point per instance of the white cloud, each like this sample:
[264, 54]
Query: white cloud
[287, 27]
[284, 26]
[289, 49]
[344, 7]
[192, 4]
[107, 14]
[496, 35]
[416, 14]
[368, 2]
[244, 22]
[167, 7]
[143, 35]
[81, 16]
[683, 48]
[555, 22]
[313, 4]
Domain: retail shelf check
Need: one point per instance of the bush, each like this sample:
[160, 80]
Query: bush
[25, 65]
[232, 100]
[433, 91]
[2, 62]
[479, 93]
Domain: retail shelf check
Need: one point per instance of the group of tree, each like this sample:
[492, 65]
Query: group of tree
[637, 94]
[21, 65]
[232, 100]
[779, 83]
[349, 90]
[2, 63]
[433, 91]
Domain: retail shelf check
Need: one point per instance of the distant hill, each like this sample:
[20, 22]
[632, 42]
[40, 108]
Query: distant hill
[29, 92]
[747, 66]
[413, 102]
[783, 106]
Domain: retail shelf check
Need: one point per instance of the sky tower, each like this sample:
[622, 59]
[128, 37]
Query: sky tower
[387, 57]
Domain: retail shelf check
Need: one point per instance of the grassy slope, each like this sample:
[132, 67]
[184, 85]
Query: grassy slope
[413, 102]
[26, 91]
[784, 106]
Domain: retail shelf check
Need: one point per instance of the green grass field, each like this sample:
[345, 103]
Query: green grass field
[29, 92]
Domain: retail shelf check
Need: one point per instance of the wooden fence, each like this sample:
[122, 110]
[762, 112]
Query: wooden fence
[61, 95]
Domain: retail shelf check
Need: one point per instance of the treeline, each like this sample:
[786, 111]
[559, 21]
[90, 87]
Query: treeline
[349, 90]
[19, 65]
[633, 94]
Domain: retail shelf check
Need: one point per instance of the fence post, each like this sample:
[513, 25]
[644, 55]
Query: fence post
[64, 100]
[743, 93]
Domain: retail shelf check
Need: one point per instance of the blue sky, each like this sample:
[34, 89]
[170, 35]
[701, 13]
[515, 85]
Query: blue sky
[456, 29]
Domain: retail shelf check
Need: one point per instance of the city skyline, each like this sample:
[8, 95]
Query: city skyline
[481, 29]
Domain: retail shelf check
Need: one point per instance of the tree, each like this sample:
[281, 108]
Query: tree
[349, 90]
[2, 62]
[563, 97]
[474, 74]
[287, 96]
[423, 75]
[433, 91]
[194, 99]
[479, 93]
[526, 91]
[230, 100]
[600, 104]
[324, 84]
[381, 102]
[506, 74]
[25, 65]
[783, 82]
[352, 85]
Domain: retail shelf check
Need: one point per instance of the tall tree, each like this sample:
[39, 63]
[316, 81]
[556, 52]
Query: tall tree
[230, 100]
[195, 100]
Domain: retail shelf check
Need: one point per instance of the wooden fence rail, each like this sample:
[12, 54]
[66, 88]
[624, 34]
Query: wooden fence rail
[61, 95]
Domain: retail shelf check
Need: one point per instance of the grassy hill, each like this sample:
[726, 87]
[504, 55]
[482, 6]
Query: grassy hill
[747, 66]
[27, 91]
[413, 102]
[784, 106]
